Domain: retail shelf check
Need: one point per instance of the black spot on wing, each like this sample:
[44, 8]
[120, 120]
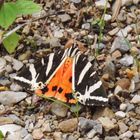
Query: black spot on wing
[70, 79]
[69, 96]
[54, 88]
[45, 89]
[60, 90]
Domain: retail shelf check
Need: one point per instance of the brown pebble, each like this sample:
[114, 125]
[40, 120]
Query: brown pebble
[124, 83]
[116, 54]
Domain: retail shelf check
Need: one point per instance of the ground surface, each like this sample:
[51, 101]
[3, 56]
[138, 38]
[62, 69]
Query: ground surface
[116, 45]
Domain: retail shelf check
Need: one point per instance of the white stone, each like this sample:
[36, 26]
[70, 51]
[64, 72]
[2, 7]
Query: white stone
[17, 65]
[123, 106]
[107, 17]
[127, 60]
[2, 64]
[58, 33]
[11, 97]
[127, 134]
[136, 99]
[120, 114]
[101, 4]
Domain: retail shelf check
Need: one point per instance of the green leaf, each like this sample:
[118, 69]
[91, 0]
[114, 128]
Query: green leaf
[8, 13]
[27, 7]
[11, 42]
[1, 135]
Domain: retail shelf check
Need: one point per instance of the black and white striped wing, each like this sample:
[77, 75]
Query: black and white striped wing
[86, 83]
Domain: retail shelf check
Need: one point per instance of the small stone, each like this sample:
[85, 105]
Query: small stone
[8, 68]
[17, 65]
[46, 127]
[59, 109]
[137, 135]
[101, 4]
[120, 44]
[116, 54]
[127, 60]
[85, 125]
[15, 87]
[24, 132]
[105, 76]
[129, 107]
[37, 134]
[25, 55]
[75, 1]
[54, 42]
[2, 64]
[127, 134]
[113, 31]
[123, 127]
[13, 129]
[68, 125]
[58, 33]
[28, 137]
[123, 106]
[4, 81]
[5, 120]
[107, 17]
[11, 97]
[120, 114]
[100, 46]
[112, 138]
[136, 99]
[86, 26]
[124, 83]
[57, 135]
[64, 17]
[107, 123]
[91, 133]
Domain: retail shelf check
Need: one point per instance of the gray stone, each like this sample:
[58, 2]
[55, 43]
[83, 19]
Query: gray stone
[4, 81]
[64, 17]
[91, 133]
[59, 109]
[130, 107]
[75, 1]
[2, 64]
[86, 26]
[137, 135]
[87, 125]
[112, 138]
[11, 97]
[54, 42]
[8, 68]
[123, 106]
[127, 134]
[15, 87]
[28, 137]
[17, 65]
[127, 60]
[14, 131]
[107, 17]
[120, 44]
[136, 99]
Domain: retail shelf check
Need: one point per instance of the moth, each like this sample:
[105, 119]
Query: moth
[66, 75]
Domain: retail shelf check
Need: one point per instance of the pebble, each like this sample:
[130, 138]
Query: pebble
[101, 4]
[124, 83]
[123, 106]
[91, 133]
[14, 131]
[57, 135]
[15, 87]
[127, 134]
[64, 17]
[5, 120]
[122, 127]
[2, 64]
[137, 135]
[86, 26]
[124, 32]
[112, 138]
[58, 109]
[11, 97]
[130, 107]
[17, 65]
[28, 137]
[37, 134]
[4, 81]
[54, 42]
[107, 123]
[127, 60]
[116, 54]
[58, 33]
[120, 114]
[136, 99]
[85, 125]
[120, 44]
[46, 127]
[113, 31]
[107, 17]
[75, 1]
[69, 125]
[8, 68]
[25, 55]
